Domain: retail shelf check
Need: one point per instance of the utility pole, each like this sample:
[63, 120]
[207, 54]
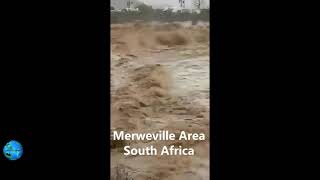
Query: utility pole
[197, 3]
[182, 3]
[129, 3]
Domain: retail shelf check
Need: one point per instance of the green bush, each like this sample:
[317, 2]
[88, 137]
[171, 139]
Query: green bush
[146, 13]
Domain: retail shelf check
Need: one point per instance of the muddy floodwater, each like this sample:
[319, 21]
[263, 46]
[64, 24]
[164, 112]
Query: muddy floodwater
[160, 81]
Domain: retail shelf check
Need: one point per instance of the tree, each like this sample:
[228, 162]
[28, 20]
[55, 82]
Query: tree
[145, 9]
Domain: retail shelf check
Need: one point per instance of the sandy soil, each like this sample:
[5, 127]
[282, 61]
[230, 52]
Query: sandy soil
[160, 81]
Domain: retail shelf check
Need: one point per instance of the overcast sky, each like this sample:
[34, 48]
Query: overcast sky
[164, 3]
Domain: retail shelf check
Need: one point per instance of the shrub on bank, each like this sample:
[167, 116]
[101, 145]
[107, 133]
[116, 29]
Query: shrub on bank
[146, 13]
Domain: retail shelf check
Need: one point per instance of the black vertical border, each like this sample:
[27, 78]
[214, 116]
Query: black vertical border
[105, 126]
[107, 84]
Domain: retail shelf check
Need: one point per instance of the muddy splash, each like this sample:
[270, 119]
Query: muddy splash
[131, 38]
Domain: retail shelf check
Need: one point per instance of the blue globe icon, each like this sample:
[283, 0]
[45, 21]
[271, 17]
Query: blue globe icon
[13, 150]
